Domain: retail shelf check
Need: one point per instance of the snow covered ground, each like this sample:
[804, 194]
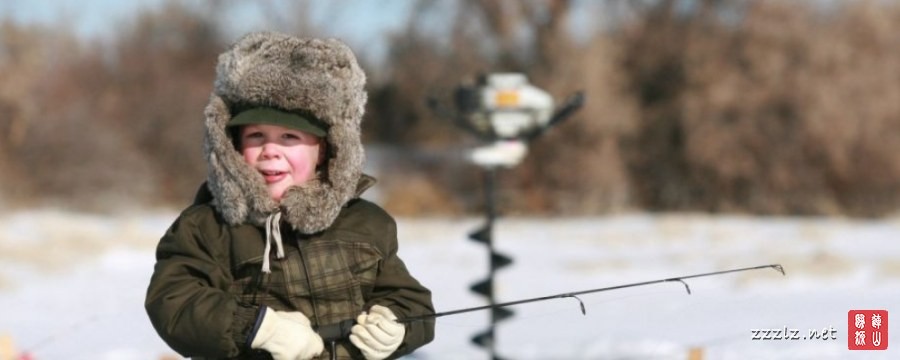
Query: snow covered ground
[72, 285]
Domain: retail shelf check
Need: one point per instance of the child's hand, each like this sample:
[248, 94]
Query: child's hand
[287, 336]
[377, 334]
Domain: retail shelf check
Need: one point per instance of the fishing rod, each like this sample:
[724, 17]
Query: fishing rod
[341, 330]
[575, 294]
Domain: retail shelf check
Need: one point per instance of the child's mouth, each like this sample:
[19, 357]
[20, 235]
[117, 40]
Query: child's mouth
[273, 176]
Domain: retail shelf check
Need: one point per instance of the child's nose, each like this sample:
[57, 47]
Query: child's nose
[269, 151]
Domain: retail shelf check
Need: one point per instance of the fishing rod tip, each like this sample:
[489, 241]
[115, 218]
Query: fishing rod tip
[779, 268]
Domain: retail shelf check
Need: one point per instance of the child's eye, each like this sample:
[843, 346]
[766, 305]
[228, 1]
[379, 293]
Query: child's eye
[290, 136]
[253, 135]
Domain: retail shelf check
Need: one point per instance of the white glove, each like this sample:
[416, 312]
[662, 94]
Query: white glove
[376, 334]
[287, 336]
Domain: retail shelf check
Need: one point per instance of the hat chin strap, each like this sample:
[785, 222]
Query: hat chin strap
[273, 233]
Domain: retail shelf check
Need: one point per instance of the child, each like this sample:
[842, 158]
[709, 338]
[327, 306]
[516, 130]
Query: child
[278, 242]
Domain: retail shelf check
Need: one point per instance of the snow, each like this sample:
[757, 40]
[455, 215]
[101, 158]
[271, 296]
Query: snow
[72, 285]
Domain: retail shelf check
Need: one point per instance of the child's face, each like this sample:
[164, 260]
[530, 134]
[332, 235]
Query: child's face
[285, 157]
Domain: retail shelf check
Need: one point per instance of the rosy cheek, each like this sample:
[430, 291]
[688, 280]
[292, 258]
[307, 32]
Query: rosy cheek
[249, 156]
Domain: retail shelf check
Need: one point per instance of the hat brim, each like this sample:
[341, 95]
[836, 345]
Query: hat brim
[270, 116]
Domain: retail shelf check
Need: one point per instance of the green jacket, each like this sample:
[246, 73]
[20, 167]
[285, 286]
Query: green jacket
[207, 286]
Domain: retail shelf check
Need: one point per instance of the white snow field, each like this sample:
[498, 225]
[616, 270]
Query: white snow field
[72, 285]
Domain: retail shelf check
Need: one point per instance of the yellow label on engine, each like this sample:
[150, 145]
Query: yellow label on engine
[506, 98]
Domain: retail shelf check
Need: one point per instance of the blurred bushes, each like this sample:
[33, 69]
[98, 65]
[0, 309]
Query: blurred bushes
[790, 109]
[767, 107]
[103, 127]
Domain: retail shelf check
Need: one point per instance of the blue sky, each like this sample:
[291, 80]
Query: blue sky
[89, 18]
[363, 24]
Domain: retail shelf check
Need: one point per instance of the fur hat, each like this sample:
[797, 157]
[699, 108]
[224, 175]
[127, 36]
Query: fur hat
[312, 76]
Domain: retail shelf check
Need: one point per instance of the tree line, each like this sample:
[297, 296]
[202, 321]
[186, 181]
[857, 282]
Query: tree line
[760, 107]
